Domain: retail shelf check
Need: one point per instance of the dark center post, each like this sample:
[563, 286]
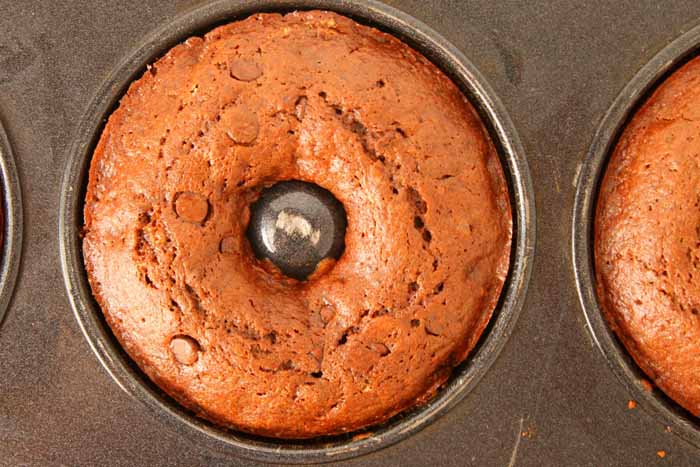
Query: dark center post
[296, 225]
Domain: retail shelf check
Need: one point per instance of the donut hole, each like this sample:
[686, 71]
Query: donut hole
[298, 227]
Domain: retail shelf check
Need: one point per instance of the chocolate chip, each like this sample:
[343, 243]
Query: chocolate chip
[191, 207]
[431, 328]
[379, 348]
[227, 245]
[327, 312]
[185, 349]
[244, 70]
[241, 124]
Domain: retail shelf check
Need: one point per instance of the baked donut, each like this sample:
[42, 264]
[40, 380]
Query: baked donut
[311, 97]
[647, 237]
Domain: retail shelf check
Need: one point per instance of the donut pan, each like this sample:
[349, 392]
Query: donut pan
[548, 383]
[126, 374]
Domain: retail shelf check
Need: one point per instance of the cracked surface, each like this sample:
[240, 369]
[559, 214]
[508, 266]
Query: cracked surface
[314, 97]
[647, 237]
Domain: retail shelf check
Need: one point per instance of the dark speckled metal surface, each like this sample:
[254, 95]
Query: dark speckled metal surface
[557, 67]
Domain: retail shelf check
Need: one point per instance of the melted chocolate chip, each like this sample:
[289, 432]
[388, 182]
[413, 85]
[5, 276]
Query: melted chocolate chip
[240, 124]
[191, 207]
[244, 70]
[432, 328]
[379, 348]
[327, 313]
[185, 349]
[227, 245]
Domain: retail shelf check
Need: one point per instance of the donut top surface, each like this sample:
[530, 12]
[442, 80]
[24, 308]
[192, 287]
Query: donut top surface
[318, 98]
[647, 237]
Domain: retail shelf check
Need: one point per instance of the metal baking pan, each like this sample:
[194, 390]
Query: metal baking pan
[126, 373]
[548, 397]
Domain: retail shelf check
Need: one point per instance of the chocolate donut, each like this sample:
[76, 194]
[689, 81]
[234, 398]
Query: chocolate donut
[647, 237]
[315, 98]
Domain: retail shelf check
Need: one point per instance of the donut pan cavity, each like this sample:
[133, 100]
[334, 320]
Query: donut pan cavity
[538, 390]
[126, 374]
[630, 99]
[10, 223]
